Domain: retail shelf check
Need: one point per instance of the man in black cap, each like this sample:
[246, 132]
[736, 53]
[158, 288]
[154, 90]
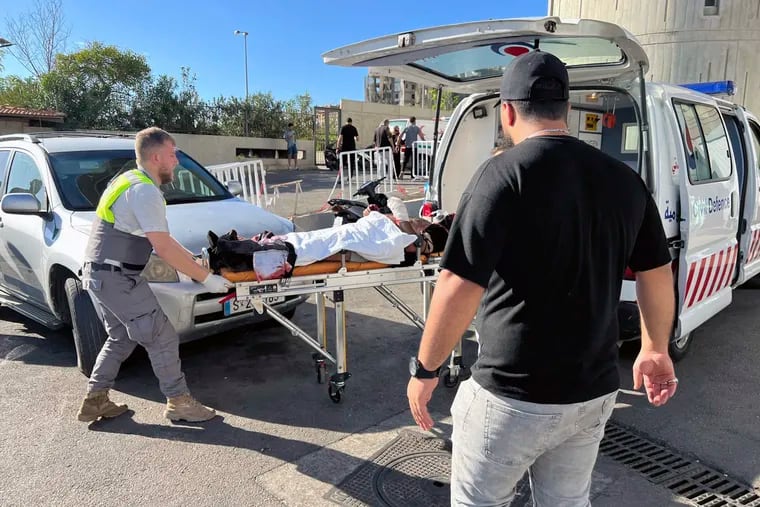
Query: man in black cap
[540, 242]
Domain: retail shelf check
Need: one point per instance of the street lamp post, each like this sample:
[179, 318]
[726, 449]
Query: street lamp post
[245, 49]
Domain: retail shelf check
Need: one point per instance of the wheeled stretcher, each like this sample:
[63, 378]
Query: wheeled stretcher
[332, 285]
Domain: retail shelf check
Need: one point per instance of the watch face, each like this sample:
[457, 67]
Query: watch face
[413, 366]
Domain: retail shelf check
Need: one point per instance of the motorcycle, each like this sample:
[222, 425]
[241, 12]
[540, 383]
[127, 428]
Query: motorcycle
[331, 158]
[349, 210]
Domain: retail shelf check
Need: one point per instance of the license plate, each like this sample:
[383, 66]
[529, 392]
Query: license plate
[234, 306]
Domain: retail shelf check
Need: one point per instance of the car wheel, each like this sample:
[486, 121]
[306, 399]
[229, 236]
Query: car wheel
[88, 331]
[679, 348]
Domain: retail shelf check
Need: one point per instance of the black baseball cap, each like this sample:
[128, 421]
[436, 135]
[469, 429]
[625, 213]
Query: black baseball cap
[535, 76]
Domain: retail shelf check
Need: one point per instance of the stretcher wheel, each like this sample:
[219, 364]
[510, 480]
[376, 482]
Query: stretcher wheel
[337, 384]
[335, 393]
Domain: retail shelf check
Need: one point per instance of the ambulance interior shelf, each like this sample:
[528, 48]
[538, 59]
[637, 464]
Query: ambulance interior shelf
[606, 120]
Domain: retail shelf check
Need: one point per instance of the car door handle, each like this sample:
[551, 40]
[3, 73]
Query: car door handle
[1, 223]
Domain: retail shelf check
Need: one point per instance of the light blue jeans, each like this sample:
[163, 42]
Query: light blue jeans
[497, 439]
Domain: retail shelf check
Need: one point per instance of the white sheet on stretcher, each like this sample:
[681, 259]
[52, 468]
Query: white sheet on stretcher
[374, 237]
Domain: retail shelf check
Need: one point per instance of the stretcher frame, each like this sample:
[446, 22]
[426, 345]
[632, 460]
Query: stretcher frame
[333, 286]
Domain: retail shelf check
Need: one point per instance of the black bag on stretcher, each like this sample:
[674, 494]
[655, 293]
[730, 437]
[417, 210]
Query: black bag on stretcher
[229, 252]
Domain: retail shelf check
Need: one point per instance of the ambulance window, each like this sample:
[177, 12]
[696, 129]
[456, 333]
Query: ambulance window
[717, 141]
[708, 157]
[697, 162]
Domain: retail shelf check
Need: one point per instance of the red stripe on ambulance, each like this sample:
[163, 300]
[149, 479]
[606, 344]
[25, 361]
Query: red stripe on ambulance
[710, 274]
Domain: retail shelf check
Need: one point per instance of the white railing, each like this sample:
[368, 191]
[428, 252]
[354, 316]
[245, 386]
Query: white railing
[250, 174]
[423, 151]
[360, 166]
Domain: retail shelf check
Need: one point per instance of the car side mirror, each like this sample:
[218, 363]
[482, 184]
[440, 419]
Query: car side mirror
[23, 204]
[235, 188]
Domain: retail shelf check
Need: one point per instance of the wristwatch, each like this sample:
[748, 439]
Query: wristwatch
[418, 371]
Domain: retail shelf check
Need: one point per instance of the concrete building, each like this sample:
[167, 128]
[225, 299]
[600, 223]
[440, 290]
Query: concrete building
[687, 40]
[395, 91]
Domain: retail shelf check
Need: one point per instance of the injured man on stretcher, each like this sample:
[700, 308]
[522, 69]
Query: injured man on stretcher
[372, 242]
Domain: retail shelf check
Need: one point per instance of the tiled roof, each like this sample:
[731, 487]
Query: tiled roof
[23, 112]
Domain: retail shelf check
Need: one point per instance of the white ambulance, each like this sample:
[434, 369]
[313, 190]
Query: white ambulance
[698, 155]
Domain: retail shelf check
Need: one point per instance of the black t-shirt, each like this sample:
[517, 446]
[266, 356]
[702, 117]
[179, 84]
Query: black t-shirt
[349, 134]
[548, 228]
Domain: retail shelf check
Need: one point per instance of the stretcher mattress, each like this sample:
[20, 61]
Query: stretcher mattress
[315, 268]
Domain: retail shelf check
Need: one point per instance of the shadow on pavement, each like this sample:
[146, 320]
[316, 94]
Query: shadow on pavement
[52, 348]
[270, 375]
[218, 432]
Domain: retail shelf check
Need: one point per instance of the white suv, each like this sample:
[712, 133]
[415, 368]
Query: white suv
[50, 184]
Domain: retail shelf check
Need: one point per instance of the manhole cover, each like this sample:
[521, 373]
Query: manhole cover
[415, 479]
[412, 470]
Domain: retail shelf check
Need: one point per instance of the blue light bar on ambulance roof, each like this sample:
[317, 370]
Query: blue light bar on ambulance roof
[713, 87]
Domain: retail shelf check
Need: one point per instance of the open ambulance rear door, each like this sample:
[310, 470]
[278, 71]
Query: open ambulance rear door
[471, 58]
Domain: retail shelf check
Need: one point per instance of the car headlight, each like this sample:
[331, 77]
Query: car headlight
[159, 271]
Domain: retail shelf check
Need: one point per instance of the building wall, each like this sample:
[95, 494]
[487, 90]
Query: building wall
[9, 125]
[683, 43]
[210, 150]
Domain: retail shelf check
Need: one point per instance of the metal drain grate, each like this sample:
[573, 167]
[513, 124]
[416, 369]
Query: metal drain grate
[701, 485]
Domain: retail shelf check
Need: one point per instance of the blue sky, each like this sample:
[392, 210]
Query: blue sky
[285, 42]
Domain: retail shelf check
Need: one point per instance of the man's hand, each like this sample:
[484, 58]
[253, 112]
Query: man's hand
[655, 371]
[216, 284]
[419, 391]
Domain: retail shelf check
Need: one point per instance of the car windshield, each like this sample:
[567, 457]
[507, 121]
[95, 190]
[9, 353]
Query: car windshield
[82, 176]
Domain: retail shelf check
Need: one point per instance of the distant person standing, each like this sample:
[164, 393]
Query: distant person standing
[347, 140]
[383, 140]
[409, 136]
[348, 137]
[383, 135]
[290, 138]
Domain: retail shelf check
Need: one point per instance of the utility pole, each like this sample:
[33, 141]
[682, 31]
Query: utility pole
[245, 50]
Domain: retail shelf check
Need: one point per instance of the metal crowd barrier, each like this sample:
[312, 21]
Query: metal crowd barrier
[251, 175]
[421, 162]
[360, 166]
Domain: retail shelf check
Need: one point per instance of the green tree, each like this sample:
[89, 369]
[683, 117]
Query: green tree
[95, 86]
[300, 112]
[164, 103]
[449, 99]
[16, 91]
[267, 116]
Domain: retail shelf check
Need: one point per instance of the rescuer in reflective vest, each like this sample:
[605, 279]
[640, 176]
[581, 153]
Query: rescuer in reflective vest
[130, 224]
